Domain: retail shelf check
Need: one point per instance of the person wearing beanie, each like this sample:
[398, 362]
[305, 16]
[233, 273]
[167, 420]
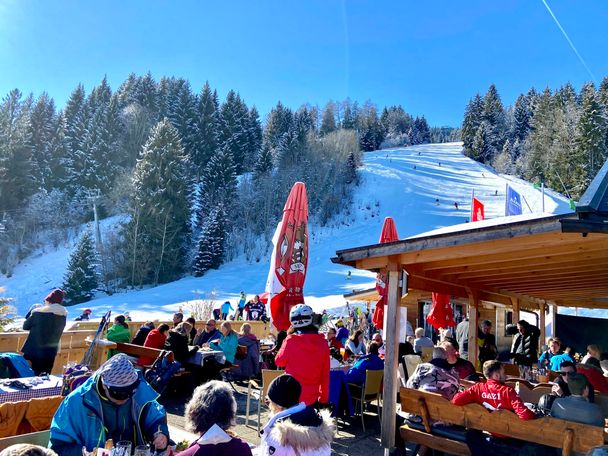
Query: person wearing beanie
[294, 427]
[115, 403]
[45, 324]
[305, 355]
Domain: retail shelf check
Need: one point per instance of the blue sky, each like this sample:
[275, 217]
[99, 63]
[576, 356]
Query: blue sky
[429, 56]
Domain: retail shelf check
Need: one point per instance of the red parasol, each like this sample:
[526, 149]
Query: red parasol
[388, 234]
[290, 258]
[441, 314]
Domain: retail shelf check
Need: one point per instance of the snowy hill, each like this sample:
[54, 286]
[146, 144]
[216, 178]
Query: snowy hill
[417, 186]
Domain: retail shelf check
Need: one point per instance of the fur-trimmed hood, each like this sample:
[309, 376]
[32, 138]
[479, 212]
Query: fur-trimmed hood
[56, 309]
[301, 429]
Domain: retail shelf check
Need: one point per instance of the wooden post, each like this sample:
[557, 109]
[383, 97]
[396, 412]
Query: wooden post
[391, 357]
[541, 322]
[553, 319]
[515, 303]
[473, 327]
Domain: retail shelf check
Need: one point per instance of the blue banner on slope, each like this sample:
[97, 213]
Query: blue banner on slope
[513, 202]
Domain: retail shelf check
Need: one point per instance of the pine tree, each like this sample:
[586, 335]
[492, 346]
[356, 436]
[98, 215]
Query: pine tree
[370, 133]
[234, 131]
[81, 278]
[15, 151]
[278, 123]
[41, 128]
[592, 128]
[472, 119]
[254, 135]
[480, 145]
[76, 161]
[263, 164]
[494, 116]
[211, 244]
[157, 232]
[218, 185]
[183, 116]
[328, 122]
[350, 175]
[207, 127]
[522, 115]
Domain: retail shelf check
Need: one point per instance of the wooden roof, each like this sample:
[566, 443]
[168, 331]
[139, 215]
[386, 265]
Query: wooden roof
[531, 260]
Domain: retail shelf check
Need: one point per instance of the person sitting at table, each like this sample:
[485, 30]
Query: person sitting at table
[177, 342]
[436, 376]
[356, 344]
[555, 357]
[332, 341]
[178, 317]
[155, 339]
[27, 449]
[45, 325]
[377, 337]
[119, 333]
[269, 356]
[142, 333]
[114, 403]
[372, 361]
[577, 407]
[464, 368]
[305, 355]
[342, 334]
[227, 342]
[192, 333]
[250, 366]
[210, 332]
[421, 341]
[211, 413]
[593, 351]
[592, 369]
[294, 428]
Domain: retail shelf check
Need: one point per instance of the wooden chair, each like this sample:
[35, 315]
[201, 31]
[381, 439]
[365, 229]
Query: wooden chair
[259, 392]
[41, 438]
[427, 354]
[411, 361]
[370, 390]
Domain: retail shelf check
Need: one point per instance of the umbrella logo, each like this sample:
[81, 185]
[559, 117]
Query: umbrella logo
[298, 253]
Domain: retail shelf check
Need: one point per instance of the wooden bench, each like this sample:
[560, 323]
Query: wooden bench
[567, 435]
[138, 350]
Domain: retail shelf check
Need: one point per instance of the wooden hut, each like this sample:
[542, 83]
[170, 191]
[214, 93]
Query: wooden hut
[524, 262]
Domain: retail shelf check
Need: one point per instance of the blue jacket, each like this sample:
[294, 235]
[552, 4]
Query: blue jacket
[79, 420]
[356, 374]
[228, 346]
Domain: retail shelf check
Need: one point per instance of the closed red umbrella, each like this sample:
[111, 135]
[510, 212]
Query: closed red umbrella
[388, 234]
[290, 258]
[441, 314]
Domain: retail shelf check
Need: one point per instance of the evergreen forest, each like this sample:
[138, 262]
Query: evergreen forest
[194, 180]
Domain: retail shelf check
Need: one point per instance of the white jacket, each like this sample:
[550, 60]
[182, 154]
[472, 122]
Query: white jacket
[282, 437]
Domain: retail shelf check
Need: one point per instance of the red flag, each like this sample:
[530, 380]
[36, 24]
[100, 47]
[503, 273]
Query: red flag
[477, 210]
[388, 234]
[441, 314]
[290, 257]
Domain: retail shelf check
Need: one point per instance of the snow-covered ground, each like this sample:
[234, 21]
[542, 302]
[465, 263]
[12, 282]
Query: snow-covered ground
[403, 183]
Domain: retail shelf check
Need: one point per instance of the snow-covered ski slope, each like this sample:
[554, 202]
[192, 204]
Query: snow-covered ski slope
[417, 186]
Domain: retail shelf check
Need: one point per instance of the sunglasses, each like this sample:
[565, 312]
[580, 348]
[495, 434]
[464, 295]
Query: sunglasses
[566, 373]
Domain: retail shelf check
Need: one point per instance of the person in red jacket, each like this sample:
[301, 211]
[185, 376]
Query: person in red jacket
[305, 356]
[494, 394]
[155, 339]
[593, 371]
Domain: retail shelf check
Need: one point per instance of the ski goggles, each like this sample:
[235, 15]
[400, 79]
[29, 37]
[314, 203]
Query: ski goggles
[121, 393]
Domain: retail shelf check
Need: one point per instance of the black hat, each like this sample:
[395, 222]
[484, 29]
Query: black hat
[285, 391]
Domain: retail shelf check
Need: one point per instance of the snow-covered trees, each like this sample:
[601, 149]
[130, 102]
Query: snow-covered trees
[559, 138]
[81, 277]
[211, 243]
[157, 232]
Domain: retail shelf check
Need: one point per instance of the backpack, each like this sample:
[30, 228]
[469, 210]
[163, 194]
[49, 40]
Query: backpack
[74, 376]
[160, 373]
[241, 352]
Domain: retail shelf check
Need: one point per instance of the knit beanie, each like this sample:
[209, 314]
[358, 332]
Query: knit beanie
[55, 297]
[285, 391]
[118, 372]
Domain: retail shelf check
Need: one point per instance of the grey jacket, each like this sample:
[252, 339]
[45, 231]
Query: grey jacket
[577, 409]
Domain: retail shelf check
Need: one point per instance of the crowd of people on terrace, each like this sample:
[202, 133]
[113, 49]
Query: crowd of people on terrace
[126, 407]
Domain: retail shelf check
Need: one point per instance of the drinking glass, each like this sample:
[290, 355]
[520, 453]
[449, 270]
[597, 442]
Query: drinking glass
[123, 448]
[142, 450]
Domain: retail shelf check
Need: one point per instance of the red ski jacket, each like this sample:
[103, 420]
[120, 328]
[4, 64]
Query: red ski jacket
[493, 394]
[306, 357]
[154, 339]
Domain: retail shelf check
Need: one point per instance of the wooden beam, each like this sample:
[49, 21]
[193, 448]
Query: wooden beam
[515, 304]
[553, 319]
[391, 357]
[423, 283]
[543, 326]
[473, 325]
